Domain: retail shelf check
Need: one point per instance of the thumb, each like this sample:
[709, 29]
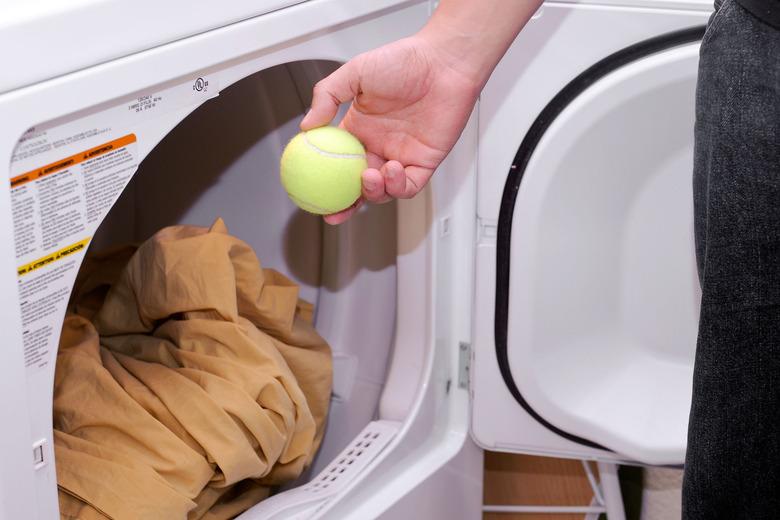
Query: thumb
[341, 86]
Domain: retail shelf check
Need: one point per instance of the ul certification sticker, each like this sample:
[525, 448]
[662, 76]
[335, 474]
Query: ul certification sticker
[201, 85]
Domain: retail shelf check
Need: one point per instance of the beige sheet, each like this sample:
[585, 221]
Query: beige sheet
[188, 388]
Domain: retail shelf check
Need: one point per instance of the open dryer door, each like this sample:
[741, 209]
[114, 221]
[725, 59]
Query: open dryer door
[596, 294]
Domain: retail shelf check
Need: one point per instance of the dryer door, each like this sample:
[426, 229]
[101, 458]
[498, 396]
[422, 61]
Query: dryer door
[596, 289]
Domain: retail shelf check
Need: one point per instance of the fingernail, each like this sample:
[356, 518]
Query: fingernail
[370, 185]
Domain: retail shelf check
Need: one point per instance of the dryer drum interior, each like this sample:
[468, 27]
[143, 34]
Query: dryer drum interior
[222, 160]
[600, 188]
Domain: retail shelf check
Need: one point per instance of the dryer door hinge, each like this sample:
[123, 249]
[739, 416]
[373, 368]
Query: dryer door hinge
[464, 364]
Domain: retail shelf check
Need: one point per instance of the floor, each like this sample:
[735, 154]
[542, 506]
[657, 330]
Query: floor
[527, 480]
[510, 479]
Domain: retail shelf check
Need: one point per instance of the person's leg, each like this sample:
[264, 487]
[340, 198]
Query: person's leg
[732, 468]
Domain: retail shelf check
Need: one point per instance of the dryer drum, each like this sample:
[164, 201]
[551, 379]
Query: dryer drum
[537, 130]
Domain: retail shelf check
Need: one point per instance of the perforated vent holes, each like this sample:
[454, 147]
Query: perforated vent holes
[304, 501]
[339, 468]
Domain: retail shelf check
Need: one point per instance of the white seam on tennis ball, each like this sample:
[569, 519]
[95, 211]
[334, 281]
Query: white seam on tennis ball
[331, 154]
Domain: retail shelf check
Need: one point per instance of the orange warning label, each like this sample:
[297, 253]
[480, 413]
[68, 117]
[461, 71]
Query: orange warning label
[71, 161]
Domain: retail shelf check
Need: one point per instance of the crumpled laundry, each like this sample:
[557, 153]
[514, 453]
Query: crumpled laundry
[189, 381]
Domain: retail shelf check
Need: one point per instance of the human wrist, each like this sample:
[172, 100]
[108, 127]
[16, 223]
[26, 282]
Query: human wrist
[459, 48]
[471, 36]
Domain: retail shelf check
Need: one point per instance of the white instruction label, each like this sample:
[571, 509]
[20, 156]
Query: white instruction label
[65, 175]
[55, 208]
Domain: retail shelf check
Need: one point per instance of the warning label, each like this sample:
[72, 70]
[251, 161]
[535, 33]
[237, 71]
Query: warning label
[57, 255]
[56, 207]
[56, 202]
[65, 175]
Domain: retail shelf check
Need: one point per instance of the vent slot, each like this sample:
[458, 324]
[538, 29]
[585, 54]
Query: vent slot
[348, 466]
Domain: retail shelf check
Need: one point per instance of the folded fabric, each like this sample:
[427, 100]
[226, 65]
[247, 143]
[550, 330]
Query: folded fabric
[189, 381]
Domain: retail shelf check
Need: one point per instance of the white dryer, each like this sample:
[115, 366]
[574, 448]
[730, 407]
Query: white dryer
[194, 102]
[552, 252]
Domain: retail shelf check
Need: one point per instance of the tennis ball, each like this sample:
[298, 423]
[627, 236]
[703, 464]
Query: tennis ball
[321, 169]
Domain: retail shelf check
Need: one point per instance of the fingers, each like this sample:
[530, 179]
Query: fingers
[343, 216]
[374, 161]
[391, 181]
[341, 86]
[374, 186]
[407, 182]
[373, 191]
[394, 178]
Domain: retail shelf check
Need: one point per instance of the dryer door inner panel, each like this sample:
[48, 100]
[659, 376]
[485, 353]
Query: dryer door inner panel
[597, 291]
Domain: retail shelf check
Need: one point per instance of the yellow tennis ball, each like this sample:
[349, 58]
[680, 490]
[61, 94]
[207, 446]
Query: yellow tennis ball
[321, 169]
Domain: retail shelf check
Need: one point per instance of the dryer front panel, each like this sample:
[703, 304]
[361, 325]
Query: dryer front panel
[595, 290]
[196, 156]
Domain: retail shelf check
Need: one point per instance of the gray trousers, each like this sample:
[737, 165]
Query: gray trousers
[732, 468]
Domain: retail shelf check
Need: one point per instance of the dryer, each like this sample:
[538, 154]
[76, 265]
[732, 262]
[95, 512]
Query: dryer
[194, 102]
[504, 303]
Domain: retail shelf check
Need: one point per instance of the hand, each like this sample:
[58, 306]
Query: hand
[410, 103]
